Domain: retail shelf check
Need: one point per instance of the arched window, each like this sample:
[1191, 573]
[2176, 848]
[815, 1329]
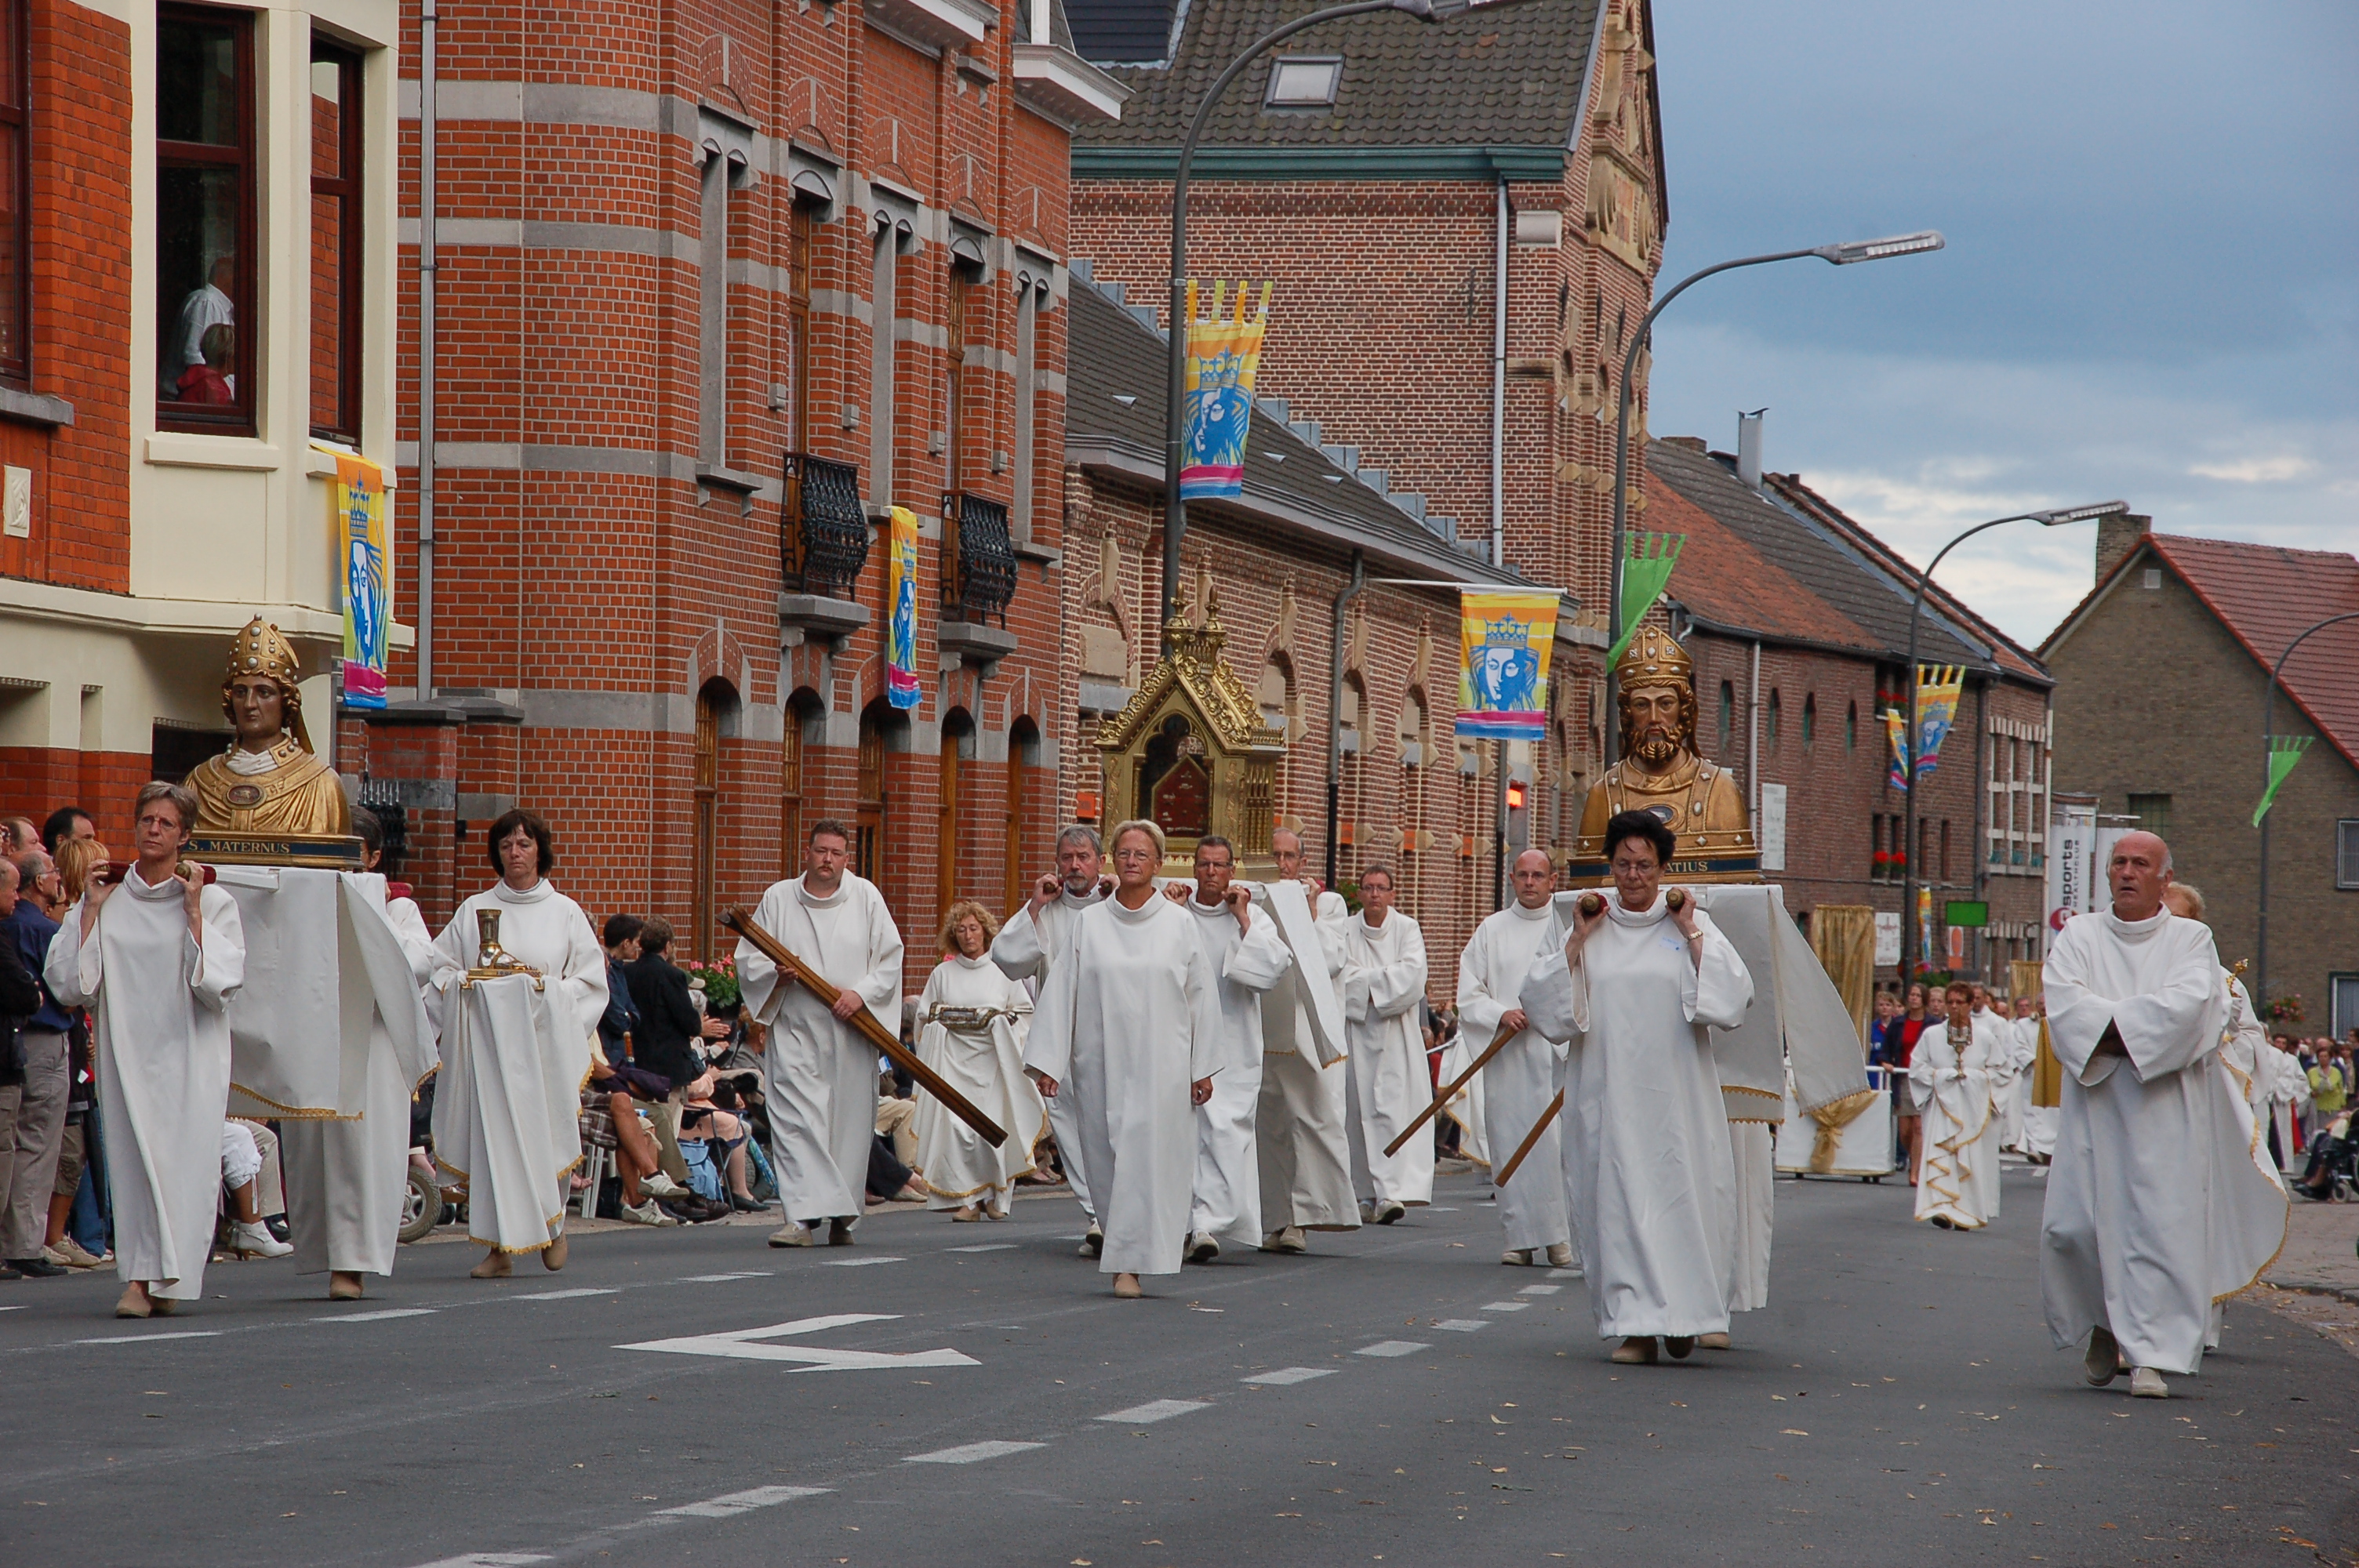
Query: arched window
[1023, 755]
[958, 747]
[803, 711]
[869, 802]
[1727, 717]
[1413, 737]
[716, 716]
[1809, 718]
[1777, 718]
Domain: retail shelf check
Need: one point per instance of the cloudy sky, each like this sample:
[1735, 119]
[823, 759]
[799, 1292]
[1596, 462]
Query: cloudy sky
[2150, 293]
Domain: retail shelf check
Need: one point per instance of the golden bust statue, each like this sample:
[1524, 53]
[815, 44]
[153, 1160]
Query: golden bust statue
[1660, 771]
[268, 783]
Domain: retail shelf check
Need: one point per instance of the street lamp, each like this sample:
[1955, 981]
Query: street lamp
[1843, 255]
[2268, 733]
[1175, 510]
[1908, 720]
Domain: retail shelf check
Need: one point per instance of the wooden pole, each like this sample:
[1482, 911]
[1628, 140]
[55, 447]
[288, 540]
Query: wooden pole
[1530, 1138]
[1450, 1090]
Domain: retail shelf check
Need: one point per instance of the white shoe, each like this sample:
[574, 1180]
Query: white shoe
[1391, 1212]
[1094, 1243]
[1367, 1212]
[1202, 1248]
[254, 1240]
[1519, 1257]
[791, 1234]
[1559, 1255]
[645, 1214]
[659, 1185]
[2145, 1383]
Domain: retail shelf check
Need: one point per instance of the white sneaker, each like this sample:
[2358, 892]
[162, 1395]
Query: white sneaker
[254, 1240]
[1202, 1248]
[791, 1234]
[659, 1185]
[1367, 1212]
[1516, 1257]
[2145, 1383]
[645, 1214]
[1559, 1255]
[1391, 1212]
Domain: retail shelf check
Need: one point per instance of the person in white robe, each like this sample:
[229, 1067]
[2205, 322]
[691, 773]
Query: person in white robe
[507, 1104]
[819, 1074]
[1302, 1137]
[345, 1180]
[1959, 1075]
[1523, 1078]
[1129, 1024]
[1634, 990]
[1026, 950]
[2022, 1039]
[2154, 1208]
[1383, 999]
[2290, 1102]
[155, 958]
[972, 1019]
[1246, 957]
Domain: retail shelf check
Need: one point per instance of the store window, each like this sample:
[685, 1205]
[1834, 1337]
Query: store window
[205, 198]
[336, 254]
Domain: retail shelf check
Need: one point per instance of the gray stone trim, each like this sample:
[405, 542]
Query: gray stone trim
[34, 407]
[644, 462]
[840, 302]
[908, 331]
[661, 712]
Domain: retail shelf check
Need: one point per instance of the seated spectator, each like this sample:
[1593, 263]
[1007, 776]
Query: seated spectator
[714, 1136]
[893, 1175]
[241, 1167]
[662, 1046]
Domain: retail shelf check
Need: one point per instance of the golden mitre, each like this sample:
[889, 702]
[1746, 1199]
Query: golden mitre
[1655, 658]
[1666, 776]
[262, 649]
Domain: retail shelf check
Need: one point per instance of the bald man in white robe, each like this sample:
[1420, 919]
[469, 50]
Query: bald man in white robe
[1521, 1082]
[1301, 1130]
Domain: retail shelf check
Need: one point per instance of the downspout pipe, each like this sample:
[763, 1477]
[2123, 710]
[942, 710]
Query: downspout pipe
[1499, 388]
[429, 205]
[1358, 585]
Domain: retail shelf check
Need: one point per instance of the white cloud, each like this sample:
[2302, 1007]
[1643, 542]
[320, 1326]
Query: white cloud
[2257, 471]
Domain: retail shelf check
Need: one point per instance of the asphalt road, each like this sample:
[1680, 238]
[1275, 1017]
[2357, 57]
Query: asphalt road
[972, 1394]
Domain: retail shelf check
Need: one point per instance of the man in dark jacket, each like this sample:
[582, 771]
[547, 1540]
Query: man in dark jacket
[669, 1025]
[621, 1020]
[32, 1090]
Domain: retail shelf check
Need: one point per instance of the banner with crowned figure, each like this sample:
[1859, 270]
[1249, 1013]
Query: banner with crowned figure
[1938, 688]
[357, 497]
[901, 627]
[1505, 638]
[1224, 358]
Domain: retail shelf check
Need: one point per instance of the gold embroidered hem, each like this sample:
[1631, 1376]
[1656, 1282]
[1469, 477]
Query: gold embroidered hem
[294, 1112]
[1831, 1119]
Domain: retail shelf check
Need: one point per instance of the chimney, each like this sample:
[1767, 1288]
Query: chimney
[1748, 447]
[2118, 536]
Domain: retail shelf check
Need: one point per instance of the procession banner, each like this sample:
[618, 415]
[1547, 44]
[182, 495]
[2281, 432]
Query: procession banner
[1504, 641]
[2072, 843]
[1938, 686]
[901, 592]
[1646, 572]
[1895, 730]
[357, 498]
[2285, 751]
[1223, 357]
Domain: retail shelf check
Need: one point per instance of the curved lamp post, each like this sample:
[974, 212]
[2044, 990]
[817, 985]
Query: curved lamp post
[2268, 733]
[1842, 255]
[1909, 714]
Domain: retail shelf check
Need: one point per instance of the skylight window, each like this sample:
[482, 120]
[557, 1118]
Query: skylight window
[1304, 81]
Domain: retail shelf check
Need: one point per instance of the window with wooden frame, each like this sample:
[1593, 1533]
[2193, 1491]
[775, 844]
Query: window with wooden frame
[790, 790]
[962, 287]
[1022, 741]
[802, 220]
[15, 185]
[206, 323]
[336, 253]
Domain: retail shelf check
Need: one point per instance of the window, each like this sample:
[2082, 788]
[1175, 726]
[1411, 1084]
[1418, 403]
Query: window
[16, 181]
[958, 746]
[2153, 812]
[1878, 861]
[1851, 727]
[800, 220]
[204, 219]
[2342, 1004]
[790, 785]
[1030, 294]
[1945, 850]
[1023, 755]
[1777, 717]
[885, 296]
[336, 251]
[1809, 718]
[1727, 716]
[2346, 853]
[962, 287]
[1304, 81]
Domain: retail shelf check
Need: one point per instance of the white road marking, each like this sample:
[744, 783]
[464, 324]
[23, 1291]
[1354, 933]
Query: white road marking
[1285, 1375]
[565, 1295]
[1392, 1347]
[986, 1246]
[742, 1345]
[380, 1316]
[1564, 1273]
[718, 1279]
[12, 1309]
[729, 1505]
[1539, 1290]
[1504, 1306]
[860, 1262]
[488, 1559]
[1462, 1324]
[150, 1338]
[1155, 1410]
[971, 1453]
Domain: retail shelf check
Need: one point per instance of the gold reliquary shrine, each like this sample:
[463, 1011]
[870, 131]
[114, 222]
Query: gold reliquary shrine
[1191, 753]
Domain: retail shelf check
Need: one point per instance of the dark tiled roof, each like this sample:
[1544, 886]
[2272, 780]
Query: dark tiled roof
[1844, 566]
[1726, 583]
[1115, 369]
[1510, 78]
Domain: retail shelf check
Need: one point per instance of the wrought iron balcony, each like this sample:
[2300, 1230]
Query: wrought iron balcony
[978, 558]
[823, 532]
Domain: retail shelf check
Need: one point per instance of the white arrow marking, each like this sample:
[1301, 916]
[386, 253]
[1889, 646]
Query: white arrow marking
[744, 1345]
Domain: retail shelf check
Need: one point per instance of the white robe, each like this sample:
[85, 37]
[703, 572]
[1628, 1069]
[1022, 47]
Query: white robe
[987, 1066]
[1244, 965]
[1466, 1107]
[1521, 1079]
[508, 1106]
[2289, 1104]
[819, 1074]
[1383, 999]
[1130, 1019]
[345, 1180]
[1302, 1127]
[1958, 1093]
[1647, 1150]
[2021, 1037]
[1026, 949]
[2156, 1208]
[160, 1033]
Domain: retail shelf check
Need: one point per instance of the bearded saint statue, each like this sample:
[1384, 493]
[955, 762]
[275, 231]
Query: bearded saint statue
[1660, 772]
[269, 782]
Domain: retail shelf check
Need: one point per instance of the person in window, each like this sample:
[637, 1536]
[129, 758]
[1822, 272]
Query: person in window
[213, 377]
[207, 306]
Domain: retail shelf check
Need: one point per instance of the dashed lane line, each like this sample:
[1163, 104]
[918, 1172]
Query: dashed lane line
[379, 1316]
[729, 1505]
[1564, 1274]
[1392, 1347]
[150, 1338]
[1155, 1410]
[986, 1247]
[488, 1559]
[1505, 1306]
[860, 1262]
[1462, 1324]
[971, 1452]
[723, 1279]
[1539, 1290]
[568, 1295]
[1285, 1375]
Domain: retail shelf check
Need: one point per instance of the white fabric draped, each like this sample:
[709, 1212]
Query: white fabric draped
[1026, 949]
[987, 1066]
[2021, 1036]
[1521, 1079]
[160, 1031]
[1131, 1018]
[1383, 997]
[1302, 1129]
[817, 1074]
[1959, 1086]
[1244, 965]
[508, 1109]
[1647, 1151]
[2156, 1206]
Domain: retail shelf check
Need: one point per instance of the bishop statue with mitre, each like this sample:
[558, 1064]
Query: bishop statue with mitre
[269, 782]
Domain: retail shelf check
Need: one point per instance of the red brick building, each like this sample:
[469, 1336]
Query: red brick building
[717, 289]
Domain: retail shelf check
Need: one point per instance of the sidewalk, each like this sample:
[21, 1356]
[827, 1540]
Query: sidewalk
[2318, 1254]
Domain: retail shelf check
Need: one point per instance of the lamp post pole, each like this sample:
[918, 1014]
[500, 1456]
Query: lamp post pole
[2268, 733]
[1908, 713]
[1839, 255]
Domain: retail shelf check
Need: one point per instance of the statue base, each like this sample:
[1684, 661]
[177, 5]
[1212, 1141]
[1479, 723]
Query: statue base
[324, 851]
[1742, 863]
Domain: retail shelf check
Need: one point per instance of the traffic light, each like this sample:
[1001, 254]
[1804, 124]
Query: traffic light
[1516, 791]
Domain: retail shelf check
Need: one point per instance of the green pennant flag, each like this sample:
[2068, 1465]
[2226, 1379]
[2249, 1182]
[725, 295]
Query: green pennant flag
[2285, 751]
[1645, 573]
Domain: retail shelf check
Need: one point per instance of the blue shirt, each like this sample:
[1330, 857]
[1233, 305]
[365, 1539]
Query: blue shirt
[30, 930]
